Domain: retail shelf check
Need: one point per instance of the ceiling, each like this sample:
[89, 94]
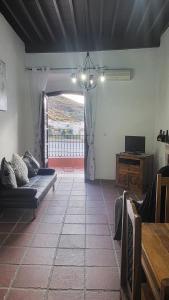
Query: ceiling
[81, 25]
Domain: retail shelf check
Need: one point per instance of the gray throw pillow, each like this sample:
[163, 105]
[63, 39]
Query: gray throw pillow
[20, 169]
[32, 164]
[8, 178]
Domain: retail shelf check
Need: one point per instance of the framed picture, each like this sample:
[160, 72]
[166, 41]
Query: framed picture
[3, 88]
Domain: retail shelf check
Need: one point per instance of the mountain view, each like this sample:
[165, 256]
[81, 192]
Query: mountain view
[65, 116]
[65, 110]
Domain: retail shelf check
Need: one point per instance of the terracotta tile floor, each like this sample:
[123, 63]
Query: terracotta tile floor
[67, 252]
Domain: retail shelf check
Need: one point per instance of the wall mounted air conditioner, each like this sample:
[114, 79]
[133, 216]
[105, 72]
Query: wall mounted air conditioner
[119, 74]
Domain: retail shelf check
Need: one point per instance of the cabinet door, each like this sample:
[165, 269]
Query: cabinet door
[123, 179]
[134, 182]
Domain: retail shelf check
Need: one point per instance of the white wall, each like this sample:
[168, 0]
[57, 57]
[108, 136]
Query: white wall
[61, 82]
[162, 111]
[11, 125]
[123, 108]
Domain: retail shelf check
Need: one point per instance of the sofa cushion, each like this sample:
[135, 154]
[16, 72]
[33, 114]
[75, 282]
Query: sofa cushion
[32, 164]
[8, 179]
[20, 169]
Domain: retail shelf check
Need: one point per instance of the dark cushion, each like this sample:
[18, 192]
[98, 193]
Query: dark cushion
[32, 164]
[20, 169]
[8, 179]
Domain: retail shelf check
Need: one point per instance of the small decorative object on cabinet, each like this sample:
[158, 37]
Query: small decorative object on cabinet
[159, 137]
[134, 172]
[166, 137]
[163, 136]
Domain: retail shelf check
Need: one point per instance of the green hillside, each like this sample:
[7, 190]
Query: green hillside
[65, 110]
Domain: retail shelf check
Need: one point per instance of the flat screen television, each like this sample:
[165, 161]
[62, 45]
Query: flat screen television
[135, 144]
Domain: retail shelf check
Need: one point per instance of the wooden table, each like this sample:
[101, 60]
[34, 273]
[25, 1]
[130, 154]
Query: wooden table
[155, 254]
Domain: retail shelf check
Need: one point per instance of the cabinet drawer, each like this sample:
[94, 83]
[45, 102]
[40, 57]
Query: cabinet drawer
[122, 180]
[134, 168]
[123, 167]
[134, 181]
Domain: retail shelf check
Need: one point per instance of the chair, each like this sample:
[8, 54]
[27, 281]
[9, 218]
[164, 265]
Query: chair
[146, 208]
[162, 183]
[130, 278]
[164, 292]
[130, 252]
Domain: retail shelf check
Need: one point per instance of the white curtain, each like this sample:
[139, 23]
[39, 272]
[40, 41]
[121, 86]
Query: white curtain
[37, 85]
[90, 116]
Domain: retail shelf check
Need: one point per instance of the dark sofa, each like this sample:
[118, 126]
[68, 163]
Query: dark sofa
[31, 194]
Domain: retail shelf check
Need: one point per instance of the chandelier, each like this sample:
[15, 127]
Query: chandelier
[88, 75]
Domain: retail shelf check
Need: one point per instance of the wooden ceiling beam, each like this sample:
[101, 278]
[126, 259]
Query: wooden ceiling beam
[17, 20]
[101, 19]
[159, 15]
[31, 20]
[45, 20]
[87, 23]
[166, 25]
[116, 44]
[59, 18]
[73, 18]
[90, 26]
[131, 16]
[115, 18]
[143, 18]
[91, 38]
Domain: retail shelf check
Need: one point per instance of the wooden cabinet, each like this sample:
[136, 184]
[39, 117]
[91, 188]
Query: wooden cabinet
[134, 172]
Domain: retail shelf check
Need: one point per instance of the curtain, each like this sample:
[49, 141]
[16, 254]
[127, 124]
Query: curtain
[37, 85]
[90, 116]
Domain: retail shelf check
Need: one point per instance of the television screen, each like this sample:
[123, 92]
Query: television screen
[135, 144]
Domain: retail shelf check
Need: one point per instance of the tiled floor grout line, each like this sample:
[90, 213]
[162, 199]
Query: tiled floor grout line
[16, 272]
[26, 248]
[110, 228]
[56, 250]
[85, 268]
[91, 192]
[20, 263]
[13, 228]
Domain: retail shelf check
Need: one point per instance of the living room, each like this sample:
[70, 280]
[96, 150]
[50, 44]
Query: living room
[137, 107]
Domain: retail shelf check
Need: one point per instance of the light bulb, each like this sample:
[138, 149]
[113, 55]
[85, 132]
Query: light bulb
[102, 78]
[74, 79]
[91, 79]
[83, 76]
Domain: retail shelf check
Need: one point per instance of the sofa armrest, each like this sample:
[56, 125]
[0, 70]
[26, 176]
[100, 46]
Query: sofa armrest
[46, 171]
[18, 192]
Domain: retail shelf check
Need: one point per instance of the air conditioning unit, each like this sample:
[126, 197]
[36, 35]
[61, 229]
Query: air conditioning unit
[119, 74]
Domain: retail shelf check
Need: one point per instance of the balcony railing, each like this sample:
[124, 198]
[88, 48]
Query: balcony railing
[66, 145]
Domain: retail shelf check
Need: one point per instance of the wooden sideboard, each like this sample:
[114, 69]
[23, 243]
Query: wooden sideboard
[134, 172]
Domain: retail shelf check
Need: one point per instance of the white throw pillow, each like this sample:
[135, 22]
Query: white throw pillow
[20, 169]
